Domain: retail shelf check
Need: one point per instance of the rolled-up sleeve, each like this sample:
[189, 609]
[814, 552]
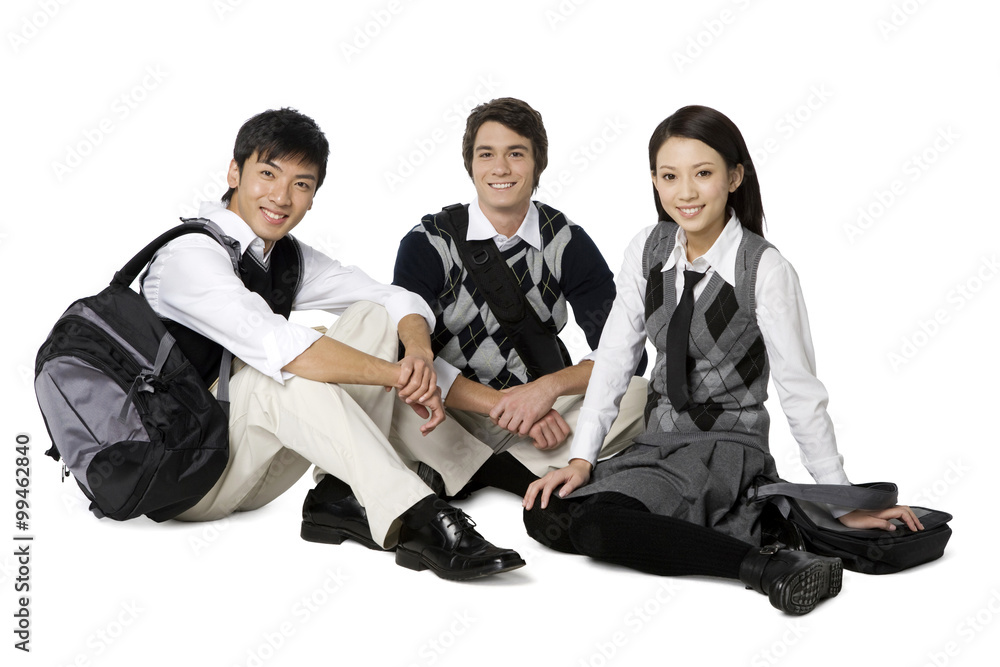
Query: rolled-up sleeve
[333, 287]
[191, 281]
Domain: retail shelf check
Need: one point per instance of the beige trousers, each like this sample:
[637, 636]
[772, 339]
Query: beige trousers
[627, 426]
[364, 435]
[367, 437]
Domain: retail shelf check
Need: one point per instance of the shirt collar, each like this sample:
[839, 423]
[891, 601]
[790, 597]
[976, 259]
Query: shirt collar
[721, 257]
[233, 226]
[480, 228]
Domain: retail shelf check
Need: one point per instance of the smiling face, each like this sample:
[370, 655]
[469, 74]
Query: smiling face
[693, 184]
[503, 167]
[273, 195]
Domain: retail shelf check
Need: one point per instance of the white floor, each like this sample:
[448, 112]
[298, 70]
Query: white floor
[248, 591]
[872, 127]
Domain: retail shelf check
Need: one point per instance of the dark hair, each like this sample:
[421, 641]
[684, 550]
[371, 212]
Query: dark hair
[515, 115]
[713, 128]
[282, 133]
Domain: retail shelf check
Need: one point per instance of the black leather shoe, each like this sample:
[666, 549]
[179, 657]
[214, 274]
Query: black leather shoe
[450, 547]
[330, 519]
[794, 581]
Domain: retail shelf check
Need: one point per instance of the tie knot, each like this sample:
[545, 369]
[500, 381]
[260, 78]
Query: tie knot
[692, 278]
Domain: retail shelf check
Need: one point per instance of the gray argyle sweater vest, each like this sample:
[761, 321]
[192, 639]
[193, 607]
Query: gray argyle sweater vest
[727, 365]
[469, 336]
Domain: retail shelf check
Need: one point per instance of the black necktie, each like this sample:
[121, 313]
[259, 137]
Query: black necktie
[678, 332]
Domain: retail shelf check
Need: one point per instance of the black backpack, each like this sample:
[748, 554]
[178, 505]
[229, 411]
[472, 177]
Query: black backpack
[127, 412]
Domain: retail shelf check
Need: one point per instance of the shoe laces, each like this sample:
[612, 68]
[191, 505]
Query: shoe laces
[461, 521]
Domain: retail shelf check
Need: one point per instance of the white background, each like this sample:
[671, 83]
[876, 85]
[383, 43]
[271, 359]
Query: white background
[117, 116]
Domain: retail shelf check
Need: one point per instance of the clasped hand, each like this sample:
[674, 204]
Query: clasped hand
[527, 411]
[417, 387]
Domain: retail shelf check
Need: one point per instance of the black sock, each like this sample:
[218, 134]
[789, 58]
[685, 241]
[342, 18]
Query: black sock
[423, 512]
[550, 526]
[331, 489]
[654, 543]
[619, 529]
[501, 471]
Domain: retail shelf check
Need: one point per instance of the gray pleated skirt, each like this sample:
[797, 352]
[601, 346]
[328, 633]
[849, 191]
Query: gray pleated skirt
[698, 477]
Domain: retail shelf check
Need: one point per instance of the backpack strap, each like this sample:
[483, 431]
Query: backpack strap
[539, 348]
[870, 496]
[128, 273]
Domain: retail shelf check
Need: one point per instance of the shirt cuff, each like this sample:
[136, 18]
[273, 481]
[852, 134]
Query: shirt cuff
[405, 303]
[446, 376]
[587, 439]
[838, 511]
[281, 347]
[828, 471]
[833, 474]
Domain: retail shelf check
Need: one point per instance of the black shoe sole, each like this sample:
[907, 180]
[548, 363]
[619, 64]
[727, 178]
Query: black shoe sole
[802, 591]
[314, 532]
[414, 561]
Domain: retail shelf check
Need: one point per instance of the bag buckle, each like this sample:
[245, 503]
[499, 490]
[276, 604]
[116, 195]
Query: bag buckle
[481, 256]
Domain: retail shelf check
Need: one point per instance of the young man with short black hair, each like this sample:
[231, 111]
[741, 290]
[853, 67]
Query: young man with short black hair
[303, 398]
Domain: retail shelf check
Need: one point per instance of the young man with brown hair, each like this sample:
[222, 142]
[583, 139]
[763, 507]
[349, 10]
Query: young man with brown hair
[519, 414]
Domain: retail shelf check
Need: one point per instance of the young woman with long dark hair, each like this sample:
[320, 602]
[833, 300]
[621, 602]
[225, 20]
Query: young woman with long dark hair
[724, 310]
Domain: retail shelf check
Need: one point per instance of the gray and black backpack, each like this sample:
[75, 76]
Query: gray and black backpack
[127, 412]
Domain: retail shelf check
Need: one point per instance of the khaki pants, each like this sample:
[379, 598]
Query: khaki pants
[361, 434]
[367, 437]
[627, 426]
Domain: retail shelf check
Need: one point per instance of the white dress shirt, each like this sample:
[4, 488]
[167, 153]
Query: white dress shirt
[781, 316]
[191, 281]
[480, 228]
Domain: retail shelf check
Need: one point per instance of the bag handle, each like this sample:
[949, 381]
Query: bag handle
[869, 496]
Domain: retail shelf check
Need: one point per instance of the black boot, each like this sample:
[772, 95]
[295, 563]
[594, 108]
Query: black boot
[331, 514]
[794, 581]
[776, 529]
[442, 538]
